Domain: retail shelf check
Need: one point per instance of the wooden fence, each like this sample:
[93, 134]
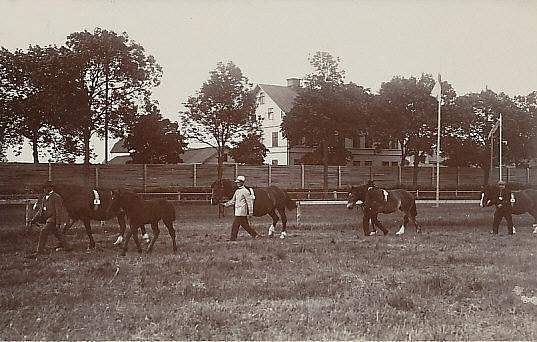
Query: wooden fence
[17, 178]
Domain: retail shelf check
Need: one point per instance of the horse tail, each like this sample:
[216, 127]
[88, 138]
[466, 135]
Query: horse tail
[289, 203]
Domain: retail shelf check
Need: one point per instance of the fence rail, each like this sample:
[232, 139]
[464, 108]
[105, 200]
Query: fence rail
[20, 178]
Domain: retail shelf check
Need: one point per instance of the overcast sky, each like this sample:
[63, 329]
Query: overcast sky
[473, 44]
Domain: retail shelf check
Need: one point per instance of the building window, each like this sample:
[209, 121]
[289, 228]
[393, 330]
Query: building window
[274, 139]
[274, 161]
[385, 163]
[368, 163]
[395, 163]
[356, 163]
[261, 98]
[270, 113]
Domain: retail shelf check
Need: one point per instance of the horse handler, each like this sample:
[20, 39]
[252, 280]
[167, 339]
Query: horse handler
[504, 204]
[244, 207]
[52, 213]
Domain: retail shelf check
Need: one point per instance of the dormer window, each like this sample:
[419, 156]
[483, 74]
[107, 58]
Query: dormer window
[270, 113]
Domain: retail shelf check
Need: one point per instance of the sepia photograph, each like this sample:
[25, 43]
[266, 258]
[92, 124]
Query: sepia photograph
[248, 170]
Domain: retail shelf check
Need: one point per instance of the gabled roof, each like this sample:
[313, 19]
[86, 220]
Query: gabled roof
[198, 155]
[282, 95]
[119, 148]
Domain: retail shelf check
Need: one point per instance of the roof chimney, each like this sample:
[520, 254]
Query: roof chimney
[293, 82]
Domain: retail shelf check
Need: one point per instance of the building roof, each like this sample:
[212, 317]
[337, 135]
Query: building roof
[282, 95]
[198, 155]
[119, 148]
[119, 160]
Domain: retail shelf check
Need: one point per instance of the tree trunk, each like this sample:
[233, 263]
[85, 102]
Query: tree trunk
[35, 151]
[486, 174]
[86, 138]
[415, 172]
[107, 80]
[325, 168]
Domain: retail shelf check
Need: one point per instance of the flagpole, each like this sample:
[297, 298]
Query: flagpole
[501, 143]
[438, 144]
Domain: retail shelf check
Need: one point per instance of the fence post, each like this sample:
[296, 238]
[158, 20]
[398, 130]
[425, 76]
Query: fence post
[527, 176]
[458, 180]
[399, 175]
[339, 177]
[96, 176]
[50, 171]
[335, 194]
[145, 177]
[303, 179]
[269, 174]
[507, 174]
[298, 214]
[236, 171]
[194, 175]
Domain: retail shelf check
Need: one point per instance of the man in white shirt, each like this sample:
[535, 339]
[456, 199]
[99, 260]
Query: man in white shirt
[244, 207]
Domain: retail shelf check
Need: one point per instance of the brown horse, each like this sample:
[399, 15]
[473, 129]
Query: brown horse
[86, 204]
[266, 202]
[523, 201]
[140, 212]
[376, 200]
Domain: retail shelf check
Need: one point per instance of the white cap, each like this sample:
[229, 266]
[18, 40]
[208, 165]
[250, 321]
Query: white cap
[240, 179]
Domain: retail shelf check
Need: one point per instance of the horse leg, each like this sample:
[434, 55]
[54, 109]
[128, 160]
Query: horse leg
[365, 222]
[375, 222]
[169, 224]
[534, 215]
[275, 219]
[415, 223]
[145, 236]
[87, 225]
[401, 230]
[136, 240]
[156, 232]
[122, 226]
[283, 216]
[127, 238]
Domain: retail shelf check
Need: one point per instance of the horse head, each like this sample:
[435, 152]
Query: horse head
[222, 189]
[356, 196]
[488, 195]
[35, 214]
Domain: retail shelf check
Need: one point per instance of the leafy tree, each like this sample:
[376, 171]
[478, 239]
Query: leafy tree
[118, 77]
[154, 140]
[407, 113]
[325, 108]
[250, 150]
[467, 142]
[222, 111]
[37, 88]
[337, 155]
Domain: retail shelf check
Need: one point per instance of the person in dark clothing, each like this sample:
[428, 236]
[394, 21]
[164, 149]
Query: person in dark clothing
[51, 212]
[504, 202]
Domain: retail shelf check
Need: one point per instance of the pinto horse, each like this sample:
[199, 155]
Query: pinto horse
[377, 201]
[86, 205]
[266, 202]
[140, 212]
[525, 201]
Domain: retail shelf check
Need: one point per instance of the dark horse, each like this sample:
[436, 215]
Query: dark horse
[376, 200]
[86, 205]
[266, 202]
[525, 201]
[140, 212]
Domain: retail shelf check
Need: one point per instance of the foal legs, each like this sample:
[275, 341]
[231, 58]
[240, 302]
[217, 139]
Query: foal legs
[132, 231]
[87, 225]
[283, 216]
[275, 219]
[171, 231]
[156, 233]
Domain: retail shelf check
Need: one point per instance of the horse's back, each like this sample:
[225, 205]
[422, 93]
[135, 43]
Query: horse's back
[526, 201]
[161, 208]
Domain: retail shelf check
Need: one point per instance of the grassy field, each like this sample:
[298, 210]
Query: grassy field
[325, 281]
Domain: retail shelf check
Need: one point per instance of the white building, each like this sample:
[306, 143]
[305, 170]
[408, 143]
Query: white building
[274, 101]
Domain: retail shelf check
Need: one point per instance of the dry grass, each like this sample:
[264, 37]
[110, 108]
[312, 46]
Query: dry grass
[454, 281]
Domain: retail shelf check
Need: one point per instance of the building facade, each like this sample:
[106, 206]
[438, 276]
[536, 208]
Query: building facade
[275, 101]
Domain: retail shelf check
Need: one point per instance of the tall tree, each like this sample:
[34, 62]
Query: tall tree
[250, 150]
[118, 77]
[222, 111]
[39, 90]
[325, 108]
[155, 140]
[467, 142]
[407, 113]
